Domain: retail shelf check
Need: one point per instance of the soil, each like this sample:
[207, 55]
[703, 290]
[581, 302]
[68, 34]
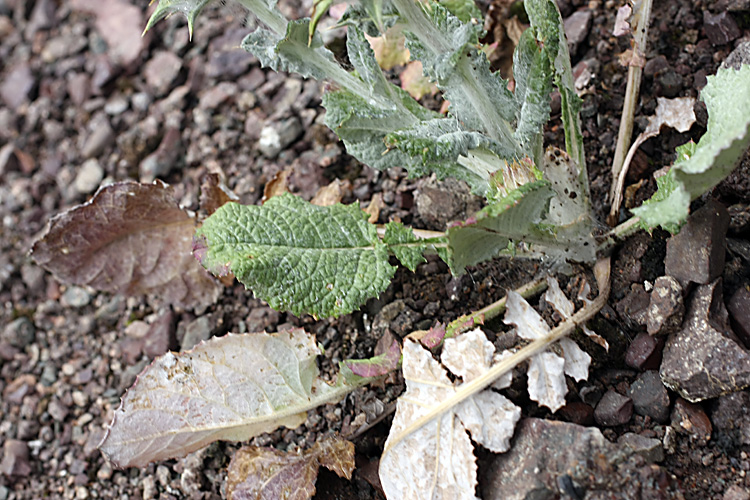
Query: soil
[84, 101]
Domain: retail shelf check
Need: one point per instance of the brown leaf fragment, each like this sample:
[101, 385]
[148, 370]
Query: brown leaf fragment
[414, 82]
[278, 185]
[269, 474]
[214, 193]
[331, 194]
[130, 239]
[622, 23]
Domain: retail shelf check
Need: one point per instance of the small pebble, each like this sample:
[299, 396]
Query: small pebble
[613, 409]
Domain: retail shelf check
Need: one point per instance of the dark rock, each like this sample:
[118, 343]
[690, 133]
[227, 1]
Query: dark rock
[645, 352]
[650, 397]
[577, 413]
[161, 71]
[261, 318]
[690, 419]
[666, 308]
[739, 56]
[19, 333]
[577, 27]
[670, 83]
[17, 85]
[560, 460]
[696, 254]
[633, 308]
[650, 449]
[15, 461]
[704, 360]
[731, 415]
[720, 28]
[655, 66]
[739, 314]
[613, 409]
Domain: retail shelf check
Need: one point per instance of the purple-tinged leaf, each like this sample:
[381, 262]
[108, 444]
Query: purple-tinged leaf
[378, 365]
[229, 388]
[434, 336]
[269, 474]
[131, 239]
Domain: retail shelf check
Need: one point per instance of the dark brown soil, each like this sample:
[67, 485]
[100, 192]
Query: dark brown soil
[61, 383]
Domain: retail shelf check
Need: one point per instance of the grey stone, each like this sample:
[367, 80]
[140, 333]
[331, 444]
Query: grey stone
[650, 397]
[720, 28]
[198, 330]
[159, 163]
[739, 313]
[42, 17]
[650, 449]
[79, 87]
[217, 95]
[62, 46]
[736, 492]
[276, 136]
[666, 308]
[116, 106]
[99, 139]
[440, 202]
[704, 359]
[75, 296]
[577, 27]
[731, 416]
[120, 24]
[613, 409]
[739, 56]
[162, 70]
[20, 332]
[552, 459]
[15, 462]
[89, 176]
[226, 59]
[696, 254]
[17, 85]
[160, 337]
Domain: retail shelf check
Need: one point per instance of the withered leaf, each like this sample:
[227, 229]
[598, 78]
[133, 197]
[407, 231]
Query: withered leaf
[130, 238]
[269, 474]
[214, 193]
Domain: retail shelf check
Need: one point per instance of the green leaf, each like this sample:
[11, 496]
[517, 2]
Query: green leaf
[190, 8]
[700, 167]
[521, 217]
[325, 261]
[447, 48]
[546, 20]
[533, 73]
[464, 10]
[407, 248]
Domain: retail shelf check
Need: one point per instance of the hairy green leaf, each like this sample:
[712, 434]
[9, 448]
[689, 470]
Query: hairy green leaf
[299, 257]
[229, 388]
[408, 248]
[701, 167]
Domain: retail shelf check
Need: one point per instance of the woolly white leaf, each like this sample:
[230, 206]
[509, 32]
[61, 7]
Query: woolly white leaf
[547, 380]
[437, 460]
[576, 360]
[530, 325]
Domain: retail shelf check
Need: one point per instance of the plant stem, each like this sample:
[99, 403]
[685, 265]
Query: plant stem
[480, 383]
[617, 235]
[640, 38]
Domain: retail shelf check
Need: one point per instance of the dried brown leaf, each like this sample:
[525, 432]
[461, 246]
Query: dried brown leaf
[214, 193]
[331, 194]
[374, 208]
[278, 185]
[390, 49]
[131, 239]
[414, 82]
[269, 474]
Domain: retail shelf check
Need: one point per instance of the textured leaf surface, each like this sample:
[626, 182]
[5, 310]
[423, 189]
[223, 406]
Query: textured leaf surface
[407, 247]
[299, 257]
[437, 461]
[131, 239]
[546, 373]
[230, 388]
[267, 473]
[727, 137]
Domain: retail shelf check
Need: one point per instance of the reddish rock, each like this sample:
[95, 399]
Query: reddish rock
[15, 461]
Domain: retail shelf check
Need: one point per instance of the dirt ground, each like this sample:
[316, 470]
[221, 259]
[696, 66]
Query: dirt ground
[85, 100]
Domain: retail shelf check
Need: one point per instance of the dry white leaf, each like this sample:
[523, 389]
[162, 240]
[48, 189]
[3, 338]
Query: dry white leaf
[676, 113]
[437, 461]
[547, 380]
[565, 307]
[577, 361]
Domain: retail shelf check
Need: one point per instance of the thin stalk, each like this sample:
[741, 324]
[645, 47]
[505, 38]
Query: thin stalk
[617, 235]
[642, 16]
[473, 387]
